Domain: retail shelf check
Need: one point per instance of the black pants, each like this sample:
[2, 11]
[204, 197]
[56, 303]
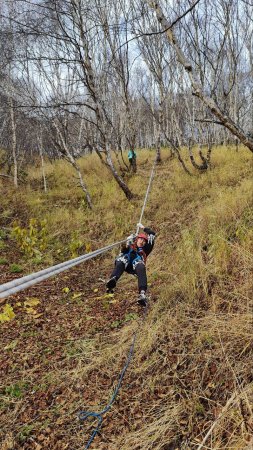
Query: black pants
[139, 270]
[132, 162]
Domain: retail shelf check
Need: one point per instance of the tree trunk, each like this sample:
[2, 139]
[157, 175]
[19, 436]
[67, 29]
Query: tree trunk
[160, 121]
[226, 121]
[204, 165]
[118, 179]
[102, 122]
[73, 162]
[42, 164]
[81, 182]
[14, 142]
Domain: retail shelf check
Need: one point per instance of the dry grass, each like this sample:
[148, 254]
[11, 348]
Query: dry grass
[190, 385]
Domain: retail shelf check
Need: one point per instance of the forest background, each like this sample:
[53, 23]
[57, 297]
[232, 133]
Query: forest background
[80, 84]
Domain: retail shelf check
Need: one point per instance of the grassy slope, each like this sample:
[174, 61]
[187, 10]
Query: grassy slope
[193, 358]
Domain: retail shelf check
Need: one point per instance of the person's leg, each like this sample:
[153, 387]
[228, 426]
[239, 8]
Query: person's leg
[118, 269]
[134, 165]
[120, 265]
[140, 270]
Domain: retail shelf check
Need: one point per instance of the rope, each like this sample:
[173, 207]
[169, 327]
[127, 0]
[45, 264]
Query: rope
[19, 284]
[22, 283]
[83, 415]
[29, 280]
[146, 196]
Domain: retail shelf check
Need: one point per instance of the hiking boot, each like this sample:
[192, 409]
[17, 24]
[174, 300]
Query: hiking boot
[142, 300]
[111, 284]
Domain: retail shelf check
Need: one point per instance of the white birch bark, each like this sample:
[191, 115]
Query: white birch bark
[69, 157]
[42, 163]
[14, 142]
[224, 119]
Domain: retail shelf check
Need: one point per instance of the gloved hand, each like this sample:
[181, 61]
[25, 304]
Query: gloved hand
[130, 239]
[139, 225]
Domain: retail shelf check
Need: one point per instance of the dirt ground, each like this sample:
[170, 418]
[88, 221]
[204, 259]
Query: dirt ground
[42, 351]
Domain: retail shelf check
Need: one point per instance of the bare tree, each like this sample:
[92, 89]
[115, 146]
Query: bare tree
[155, 52]
[224, 118]
[40, 145]
[61, 144]
[67, 40]
[110, 69]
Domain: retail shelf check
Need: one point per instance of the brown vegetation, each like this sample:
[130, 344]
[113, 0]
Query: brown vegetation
[189, 385]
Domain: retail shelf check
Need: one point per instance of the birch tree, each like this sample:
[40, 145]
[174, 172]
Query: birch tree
[67, 36]
[222, 116]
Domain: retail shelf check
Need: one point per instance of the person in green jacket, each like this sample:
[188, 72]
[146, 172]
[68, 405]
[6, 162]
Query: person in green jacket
[132, 159]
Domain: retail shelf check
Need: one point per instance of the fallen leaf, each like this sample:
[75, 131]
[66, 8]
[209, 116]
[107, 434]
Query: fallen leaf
[7, 313]
[41, 437]
[77, 295]
[4, 318]
[30, 311]
[33, 301]
[11, 345]
[66, 290]
[38, 447]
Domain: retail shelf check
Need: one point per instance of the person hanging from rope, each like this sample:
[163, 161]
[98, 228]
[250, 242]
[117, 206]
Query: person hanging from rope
[132, 159]
[132, 260]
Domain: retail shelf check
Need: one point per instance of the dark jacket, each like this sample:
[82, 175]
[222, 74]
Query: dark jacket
[133, 251]
[148, 247]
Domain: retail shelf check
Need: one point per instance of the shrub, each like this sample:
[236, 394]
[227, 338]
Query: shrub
[16, 268]
[3, 261]
[32, 240]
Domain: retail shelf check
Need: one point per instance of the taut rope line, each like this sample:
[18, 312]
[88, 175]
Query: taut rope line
[147, 192]
[29, 280]
[83, 415]
[14, 286]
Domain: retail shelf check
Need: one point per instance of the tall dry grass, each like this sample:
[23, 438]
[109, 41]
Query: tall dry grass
[190, 384]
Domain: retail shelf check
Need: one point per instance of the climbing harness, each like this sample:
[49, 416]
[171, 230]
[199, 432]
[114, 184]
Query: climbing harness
[83, 415]
[133, 255]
